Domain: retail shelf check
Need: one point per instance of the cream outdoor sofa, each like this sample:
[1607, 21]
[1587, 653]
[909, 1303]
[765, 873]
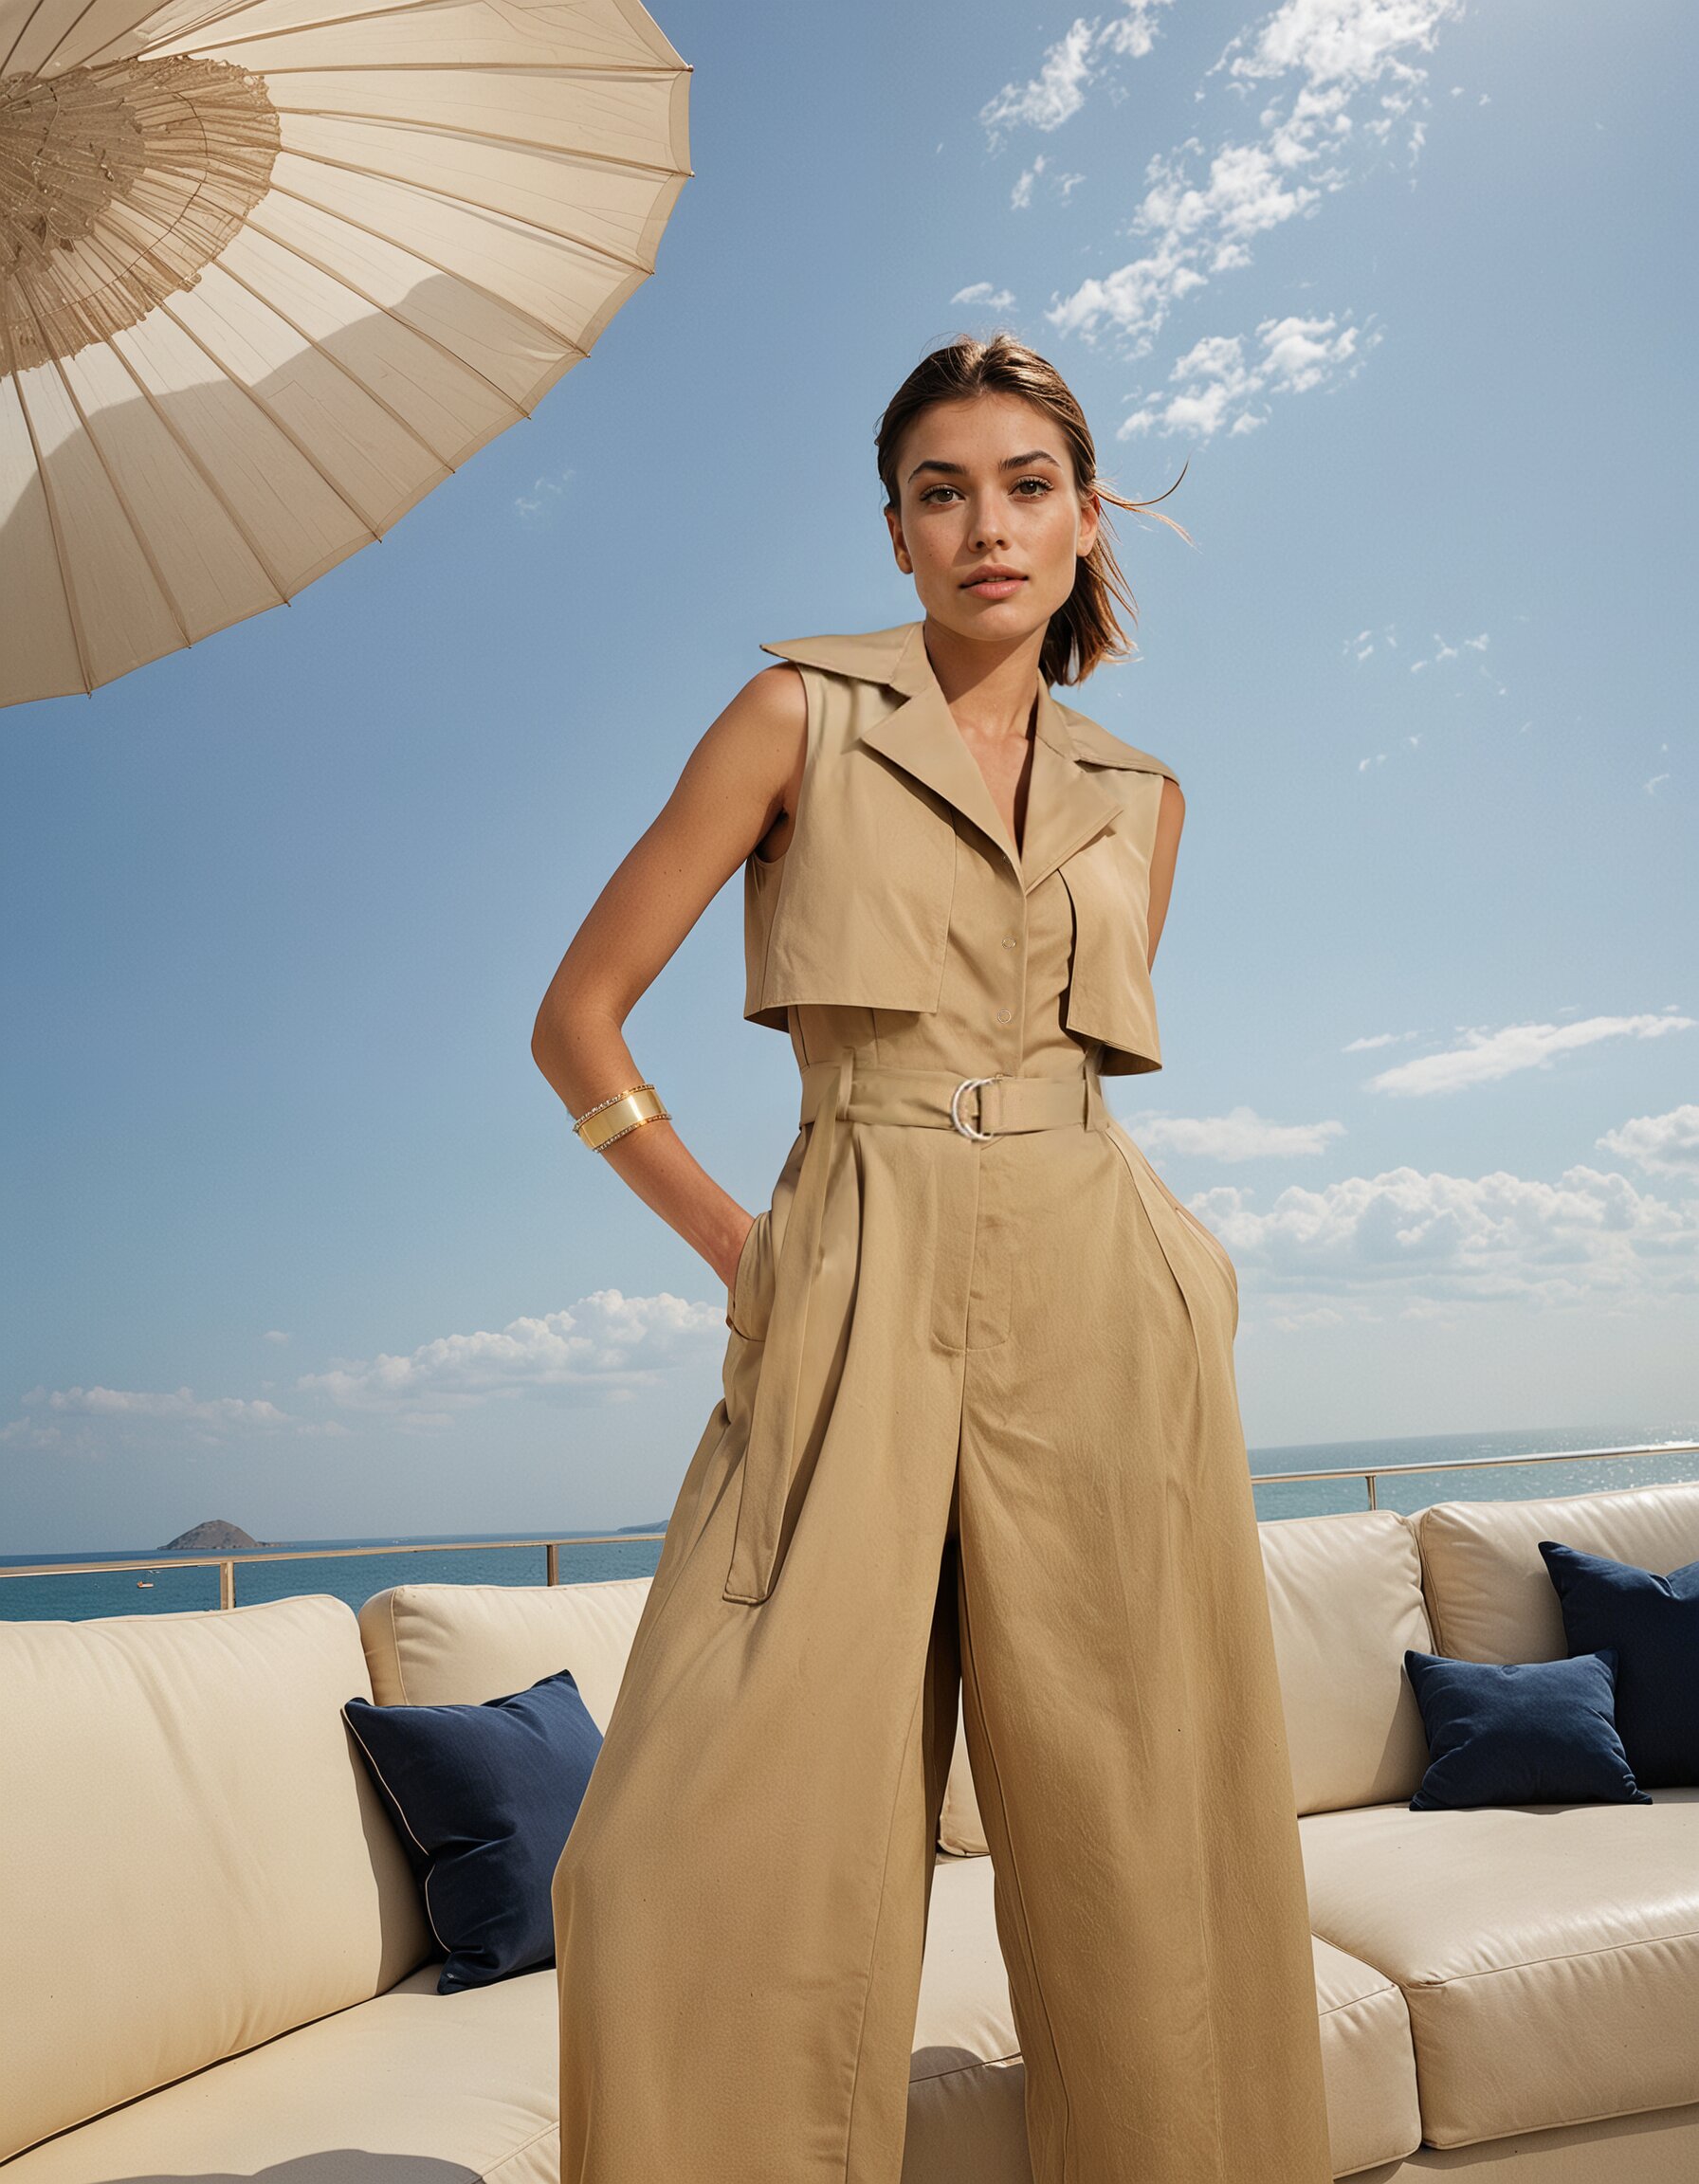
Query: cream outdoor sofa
[217, 1969]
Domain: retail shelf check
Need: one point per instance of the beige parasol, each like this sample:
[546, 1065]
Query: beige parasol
[271, 269]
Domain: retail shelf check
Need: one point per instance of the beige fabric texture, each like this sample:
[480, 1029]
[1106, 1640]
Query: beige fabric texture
[253, 307]
[193, 1858]
[1007, 1462]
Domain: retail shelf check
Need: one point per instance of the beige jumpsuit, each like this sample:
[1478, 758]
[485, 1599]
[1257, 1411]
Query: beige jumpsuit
[979, 1422]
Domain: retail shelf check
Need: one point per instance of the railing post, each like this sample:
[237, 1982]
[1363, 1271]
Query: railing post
[227, 1582]
[553, 1556]
[1370, 1477]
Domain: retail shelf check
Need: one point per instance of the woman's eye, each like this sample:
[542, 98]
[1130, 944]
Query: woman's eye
[1044, 485]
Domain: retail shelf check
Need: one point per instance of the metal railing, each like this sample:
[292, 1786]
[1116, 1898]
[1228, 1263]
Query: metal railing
[226, 1564]
[1370, 1473]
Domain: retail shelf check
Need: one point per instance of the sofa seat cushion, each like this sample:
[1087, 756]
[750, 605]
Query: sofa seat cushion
[1548, 1953]
[1373, 2114]
[413, 2084]
[417, 2088]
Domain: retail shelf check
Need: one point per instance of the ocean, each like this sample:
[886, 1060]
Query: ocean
[170, 1589]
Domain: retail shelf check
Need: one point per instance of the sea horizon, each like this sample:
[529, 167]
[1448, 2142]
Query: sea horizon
[177, 1581]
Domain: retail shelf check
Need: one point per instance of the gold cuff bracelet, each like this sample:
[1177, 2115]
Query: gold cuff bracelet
[621, 1112]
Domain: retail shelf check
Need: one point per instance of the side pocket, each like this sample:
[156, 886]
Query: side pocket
[1186, 1214]
[749, 1296]
[1208, 1234]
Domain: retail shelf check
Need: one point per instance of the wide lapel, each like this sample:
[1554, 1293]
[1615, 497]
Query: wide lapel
[1065, 805]
[921, 736]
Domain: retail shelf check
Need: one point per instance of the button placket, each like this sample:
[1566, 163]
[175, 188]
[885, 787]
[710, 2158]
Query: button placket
[1013, 944]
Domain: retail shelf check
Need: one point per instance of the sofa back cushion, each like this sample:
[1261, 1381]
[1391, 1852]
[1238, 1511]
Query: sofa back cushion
[192, 1857]
[460, 1645]
[1489, 1596]
[1345, 1600]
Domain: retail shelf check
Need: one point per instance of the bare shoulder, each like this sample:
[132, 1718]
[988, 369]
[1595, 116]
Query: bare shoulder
[766, 718]
[751, 759]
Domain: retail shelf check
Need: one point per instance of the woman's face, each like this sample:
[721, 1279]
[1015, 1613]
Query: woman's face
[984, 484]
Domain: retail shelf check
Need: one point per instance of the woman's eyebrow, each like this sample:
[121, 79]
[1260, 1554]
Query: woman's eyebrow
[959, 469]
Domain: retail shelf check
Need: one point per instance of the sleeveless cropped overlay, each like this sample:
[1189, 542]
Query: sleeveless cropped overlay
[979, 1432]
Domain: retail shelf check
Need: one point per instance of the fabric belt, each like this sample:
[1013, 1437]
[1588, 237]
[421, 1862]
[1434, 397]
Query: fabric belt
[979, 1108]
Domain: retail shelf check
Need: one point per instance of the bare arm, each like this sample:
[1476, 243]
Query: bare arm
[737, 790]
[1171, 817]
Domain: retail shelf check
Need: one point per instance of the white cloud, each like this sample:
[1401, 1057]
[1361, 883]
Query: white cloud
[1377, 1039]
[1056, 94]
[537, 505]
[1485, 1056]
[982, 292]
[1340, 81]
[603, 1348]
[1408, 1238]
[1059, 181]
[1662, 1144]
[83, 1421]
[607, 1343]
[1218, 390]
[1241, 1134]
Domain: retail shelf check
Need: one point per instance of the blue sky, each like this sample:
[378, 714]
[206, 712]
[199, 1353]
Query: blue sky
[297, 1233]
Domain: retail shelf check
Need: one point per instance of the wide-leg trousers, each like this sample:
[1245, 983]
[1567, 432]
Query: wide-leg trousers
[1023, 1478]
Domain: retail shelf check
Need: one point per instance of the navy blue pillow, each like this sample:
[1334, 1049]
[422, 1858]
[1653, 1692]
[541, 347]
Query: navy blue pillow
[1520, 1733]
[1653, 1625]
[482, 1797]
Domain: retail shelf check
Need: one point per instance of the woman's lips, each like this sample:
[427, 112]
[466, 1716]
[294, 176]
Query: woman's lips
[996, 587]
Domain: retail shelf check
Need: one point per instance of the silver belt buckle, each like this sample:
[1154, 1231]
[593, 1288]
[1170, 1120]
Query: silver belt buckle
[967, 1129]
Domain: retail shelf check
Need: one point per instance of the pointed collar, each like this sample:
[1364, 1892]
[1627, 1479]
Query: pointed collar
[1066, 805]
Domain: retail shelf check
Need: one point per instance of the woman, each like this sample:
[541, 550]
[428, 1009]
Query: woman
[979, 1426]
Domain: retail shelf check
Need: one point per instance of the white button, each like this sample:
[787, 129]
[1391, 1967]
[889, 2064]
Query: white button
[1004, 1014]
[1009, 942]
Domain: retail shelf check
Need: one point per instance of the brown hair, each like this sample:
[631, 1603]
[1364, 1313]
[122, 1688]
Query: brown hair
[1084, 629]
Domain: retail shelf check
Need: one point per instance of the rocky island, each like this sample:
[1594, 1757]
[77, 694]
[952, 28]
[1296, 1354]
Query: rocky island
[215, 1536]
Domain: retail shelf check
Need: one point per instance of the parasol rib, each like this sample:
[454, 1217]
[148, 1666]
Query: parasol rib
[354, 288]
[560, 338]
[476, 205]
[418, 122]
[353, 378]
[24, 29]
[68, 588]
[187, 450]
[117, 492]
[261, 404]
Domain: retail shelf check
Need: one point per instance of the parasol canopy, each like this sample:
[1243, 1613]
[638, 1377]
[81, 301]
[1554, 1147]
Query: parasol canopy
[271, 269]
